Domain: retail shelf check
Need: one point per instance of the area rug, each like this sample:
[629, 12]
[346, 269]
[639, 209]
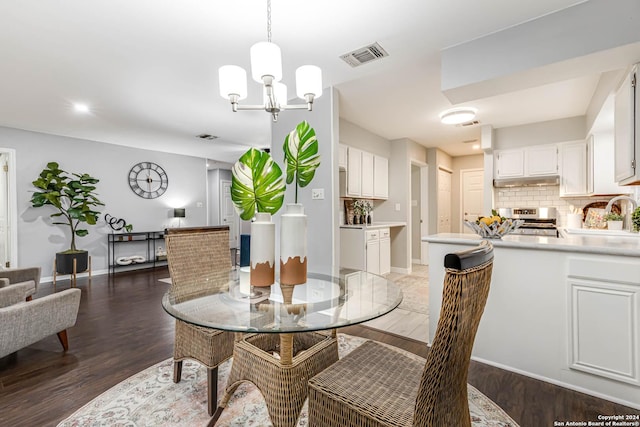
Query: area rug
[151, 399]
[415, 293]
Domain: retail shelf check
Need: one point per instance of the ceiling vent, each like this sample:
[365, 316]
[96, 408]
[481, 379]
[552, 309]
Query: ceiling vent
[364, 55]
[207, 136]
[469, 141]
[471, 123]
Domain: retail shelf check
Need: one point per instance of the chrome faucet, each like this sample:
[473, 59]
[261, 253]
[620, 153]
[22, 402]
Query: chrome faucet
[634, 205]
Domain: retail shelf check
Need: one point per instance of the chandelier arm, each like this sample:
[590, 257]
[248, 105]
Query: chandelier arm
[308, 107]
[249, 107]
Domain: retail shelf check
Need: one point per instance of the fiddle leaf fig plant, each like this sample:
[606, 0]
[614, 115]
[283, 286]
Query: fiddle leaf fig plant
[301, 155]
[256, 184]
[74, 197]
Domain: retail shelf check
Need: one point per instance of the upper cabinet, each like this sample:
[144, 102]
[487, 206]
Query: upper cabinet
[342, 157]
[575, 175]
[539, 160]
[367, 175]
[627, 130]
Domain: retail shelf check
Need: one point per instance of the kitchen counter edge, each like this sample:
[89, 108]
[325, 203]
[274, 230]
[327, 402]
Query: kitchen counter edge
[376, 225]
[604, 245]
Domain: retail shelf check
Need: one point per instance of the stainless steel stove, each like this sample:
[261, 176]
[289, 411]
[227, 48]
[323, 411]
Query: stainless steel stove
[537, 221]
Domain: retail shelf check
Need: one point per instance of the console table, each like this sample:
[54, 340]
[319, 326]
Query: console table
[140, 244]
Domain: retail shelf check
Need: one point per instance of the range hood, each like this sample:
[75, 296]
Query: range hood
[531, 181]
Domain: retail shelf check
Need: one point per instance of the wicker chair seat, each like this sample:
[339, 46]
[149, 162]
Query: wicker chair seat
[351, 394]
[208, 346]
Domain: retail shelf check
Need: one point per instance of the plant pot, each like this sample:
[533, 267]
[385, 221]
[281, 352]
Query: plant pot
[293, 246]
[263, 250]
[64, 262]
[614, 225]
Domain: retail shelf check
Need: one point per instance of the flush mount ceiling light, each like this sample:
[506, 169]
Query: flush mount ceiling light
[266, 68]
[455, 116]
[81, 108]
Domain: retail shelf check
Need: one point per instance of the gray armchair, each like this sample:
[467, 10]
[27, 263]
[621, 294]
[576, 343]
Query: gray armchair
[26, 322]
[20, 275]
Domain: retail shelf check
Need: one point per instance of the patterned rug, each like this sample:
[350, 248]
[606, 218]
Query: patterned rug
[415, 292]
[151, 399]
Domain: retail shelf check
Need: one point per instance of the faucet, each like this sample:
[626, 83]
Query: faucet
[634, 205]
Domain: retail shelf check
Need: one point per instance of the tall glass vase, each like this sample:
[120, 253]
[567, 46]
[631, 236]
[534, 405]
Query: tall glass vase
[293, 246]
[263, 250]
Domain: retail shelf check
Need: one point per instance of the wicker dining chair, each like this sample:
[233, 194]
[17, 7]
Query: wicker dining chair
[376, 385]
[198, 261]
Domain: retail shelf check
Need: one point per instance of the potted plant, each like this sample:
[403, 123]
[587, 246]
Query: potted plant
[73, 196]
[614, 221]
[635, 219]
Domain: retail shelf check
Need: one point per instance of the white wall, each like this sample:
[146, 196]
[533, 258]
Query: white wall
[355, 136]
[323, 249]
[215, 176]
[549, 132]
[38, 240]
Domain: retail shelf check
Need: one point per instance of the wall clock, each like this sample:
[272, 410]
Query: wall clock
[148, 180]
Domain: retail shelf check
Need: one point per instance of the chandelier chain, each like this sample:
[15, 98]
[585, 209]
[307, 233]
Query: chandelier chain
[269, 21]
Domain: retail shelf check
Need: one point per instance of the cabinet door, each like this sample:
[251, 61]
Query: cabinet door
[541, 160]
[573, 176]
[385, 254]
[342, 157]
[373, 256]
[367, 175]
[354, 172]
[623, 125]
[510, 163]
[381, 177]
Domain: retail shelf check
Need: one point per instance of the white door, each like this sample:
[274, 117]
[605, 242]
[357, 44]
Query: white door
[424, 213]
[228, 214]
[472, 182]
[8, 209]
[444, 201]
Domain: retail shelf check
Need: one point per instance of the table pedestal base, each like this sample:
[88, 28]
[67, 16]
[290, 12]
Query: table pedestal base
[283, 385]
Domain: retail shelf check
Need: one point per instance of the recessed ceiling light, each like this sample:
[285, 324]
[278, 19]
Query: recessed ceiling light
[455, 116]
[81, 108]
[475, 146]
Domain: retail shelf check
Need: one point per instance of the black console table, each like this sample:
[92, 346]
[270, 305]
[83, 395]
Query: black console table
[136, 249]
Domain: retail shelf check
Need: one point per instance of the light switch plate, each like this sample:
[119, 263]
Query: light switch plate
[317, 193]
[398, 207]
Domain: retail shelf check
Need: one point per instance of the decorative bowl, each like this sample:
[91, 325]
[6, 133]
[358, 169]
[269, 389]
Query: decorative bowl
[496, 230]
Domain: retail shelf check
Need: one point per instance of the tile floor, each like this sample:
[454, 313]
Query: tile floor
[404, 322]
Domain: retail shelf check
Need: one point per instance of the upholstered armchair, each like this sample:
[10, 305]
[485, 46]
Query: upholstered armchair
[26, 322]
[20, 275]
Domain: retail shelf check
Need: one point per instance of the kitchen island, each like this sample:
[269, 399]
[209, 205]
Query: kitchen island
[562, 310]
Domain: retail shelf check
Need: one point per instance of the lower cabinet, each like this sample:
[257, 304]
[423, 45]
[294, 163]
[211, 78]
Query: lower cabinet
[366, 249]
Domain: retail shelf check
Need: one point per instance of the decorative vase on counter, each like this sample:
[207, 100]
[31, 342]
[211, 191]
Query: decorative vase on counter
[614, 225]
[293, 246]
[263, 250]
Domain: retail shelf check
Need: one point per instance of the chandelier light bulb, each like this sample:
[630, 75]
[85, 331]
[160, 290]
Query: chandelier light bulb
[455, 116]
[233, 81]
[266, 60]
[308, 81]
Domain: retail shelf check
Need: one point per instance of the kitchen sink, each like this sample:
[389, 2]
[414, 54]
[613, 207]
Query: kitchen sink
[597, 232]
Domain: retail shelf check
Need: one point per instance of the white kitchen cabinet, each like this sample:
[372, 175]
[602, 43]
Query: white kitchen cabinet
[509, 163]
[381, 177]
[627, 130]
[342, 157]
[385, 251]
[541, 160]
[372, 238]
[354, 172]
[367, 175]
[537, 160]
[574, 170]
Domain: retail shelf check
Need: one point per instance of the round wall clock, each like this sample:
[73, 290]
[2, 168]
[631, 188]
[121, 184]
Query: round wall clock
[148, 180]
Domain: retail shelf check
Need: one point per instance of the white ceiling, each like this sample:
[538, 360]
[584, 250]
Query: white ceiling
[148, 68]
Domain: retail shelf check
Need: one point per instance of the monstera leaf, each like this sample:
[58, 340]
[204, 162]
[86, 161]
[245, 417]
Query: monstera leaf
[301, 155]
[256, 184]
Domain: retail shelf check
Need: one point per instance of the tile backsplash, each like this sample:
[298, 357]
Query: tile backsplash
[533, 197]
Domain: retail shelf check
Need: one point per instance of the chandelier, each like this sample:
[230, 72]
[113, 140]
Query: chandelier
[266, 68]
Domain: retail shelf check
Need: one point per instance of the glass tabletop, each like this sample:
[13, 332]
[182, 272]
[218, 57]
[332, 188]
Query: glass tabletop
[324, 302]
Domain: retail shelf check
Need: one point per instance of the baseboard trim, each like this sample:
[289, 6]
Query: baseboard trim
[400, 270]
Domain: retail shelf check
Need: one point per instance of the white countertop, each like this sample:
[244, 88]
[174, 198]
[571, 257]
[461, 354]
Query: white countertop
[377, 224]
[582, 243]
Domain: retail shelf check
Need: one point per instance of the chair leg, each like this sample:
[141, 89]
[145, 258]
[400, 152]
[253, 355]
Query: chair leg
[62, 336]
[212, 389]
[177, 370]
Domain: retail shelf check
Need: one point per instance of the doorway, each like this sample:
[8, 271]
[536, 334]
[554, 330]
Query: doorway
[228, 214]
[444, 200]
[8, 209]
[418, 213]
[472, 193]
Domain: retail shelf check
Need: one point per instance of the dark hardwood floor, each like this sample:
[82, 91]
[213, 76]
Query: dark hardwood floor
[122, 329]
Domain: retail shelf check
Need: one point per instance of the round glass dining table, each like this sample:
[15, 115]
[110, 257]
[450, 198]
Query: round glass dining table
[286, 333]
[323, 302]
